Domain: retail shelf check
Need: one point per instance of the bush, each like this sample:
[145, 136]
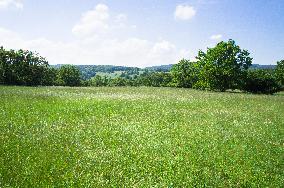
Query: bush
[261, 81]
[68, 75]
[279, 71]
[185, 74]
[118, 82]
[222, 67]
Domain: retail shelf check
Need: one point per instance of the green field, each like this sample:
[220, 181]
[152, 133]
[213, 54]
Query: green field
[139, 137]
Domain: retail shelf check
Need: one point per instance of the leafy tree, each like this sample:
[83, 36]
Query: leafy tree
[68, 75]
[30, 67]
[3, 65]
[118, 82]
[184, 74]
[280, 72]
[21, 67]
[261, 81]
[49, 76]
[222, 67]
[97, 81]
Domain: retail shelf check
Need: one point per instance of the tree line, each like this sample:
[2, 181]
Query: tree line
[24, 67]
[223, 67]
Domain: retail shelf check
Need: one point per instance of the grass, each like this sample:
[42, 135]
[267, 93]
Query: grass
[115, 74]
[139, 137]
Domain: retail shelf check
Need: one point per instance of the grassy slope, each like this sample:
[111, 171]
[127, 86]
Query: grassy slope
[139, 137]
[115, 74]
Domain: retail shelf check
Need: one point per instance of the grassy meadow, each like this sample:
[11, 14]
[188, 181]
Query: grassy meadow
[139, 137]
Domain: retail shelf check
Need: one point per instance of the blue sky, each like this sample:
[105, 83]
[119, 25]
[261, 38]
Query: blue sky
[141, 33]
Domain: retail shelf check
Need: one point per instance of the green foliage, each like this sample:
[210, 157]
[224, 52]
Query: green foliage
[118, 82]
[279, 71]
[161, 68]
[89, 71]
[222, 67]
[69, 75]
[154, 79]
[22, 67]
[139, 137]
[49, 76]
[98, 81]
[3, 66]
[261, 81]
[185, 74]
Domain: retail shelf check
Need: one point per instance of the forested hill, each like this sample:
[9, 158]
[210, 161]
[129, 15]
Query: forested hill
[89, 71]
[161, 68]
[257, 66]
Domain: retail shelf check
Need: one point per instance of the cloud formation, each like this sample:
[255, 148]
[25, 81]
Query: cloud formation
[216, 37]
[129, 52]
[93, 22]
[184, 12]
[18, 4]
[94, 43]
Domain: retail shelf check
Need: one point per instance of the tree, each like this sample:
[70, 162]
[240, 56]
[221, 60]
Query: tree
[22, 67]
[3, 65]
[279, 71]
[97, 81]
[49, 76]
[261, 81]
[184, 74]
[222, 67]
[68, 75]
[118, 82]
[29, 68]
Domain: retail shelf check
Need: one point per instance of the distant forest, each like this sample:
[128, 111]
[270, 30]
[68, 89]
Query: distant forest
[223, 67]
[89, 71]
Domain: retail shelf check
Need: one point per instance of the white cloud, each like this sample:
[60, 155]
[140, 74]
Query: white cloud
[129, 52]
[95, 44]
[184, 12]
[18, 4]
[93, 22]
[216, 37]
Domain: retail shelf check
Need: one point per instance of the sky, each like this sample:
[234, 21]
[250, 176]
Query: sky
[140, 32]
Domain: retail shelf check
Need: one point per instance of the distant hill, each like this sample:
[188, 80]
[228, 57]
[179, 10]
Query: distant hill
[161, 68]
[167, 68]
[89, 71]
[257, 66]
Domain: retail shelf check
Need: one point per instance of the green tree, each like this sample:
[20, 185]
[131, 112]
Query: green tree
[222, 67]
[261, 81]
[29, 68]
[68, 75]
[49, 76]
[97, 81]
[118, 82]
[3, 65]
[280, 72]
[184, 74]
[21, 67]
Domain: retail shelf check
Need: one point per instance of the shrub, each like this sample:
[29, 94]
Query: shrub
[279, 71]
[68, 75]
[261, 81]
[222, 67]
[185, 74]
[118, 82]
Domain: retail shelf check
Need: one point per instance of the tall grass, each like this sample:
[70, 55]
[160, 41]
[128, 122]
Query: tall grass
[139, 137]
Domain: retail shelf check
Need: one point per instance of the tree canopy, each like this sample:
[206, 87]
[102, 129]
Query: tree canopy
[280, 72]
[22, 67]
[69, 75]
[222, 67]
[225, 66]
